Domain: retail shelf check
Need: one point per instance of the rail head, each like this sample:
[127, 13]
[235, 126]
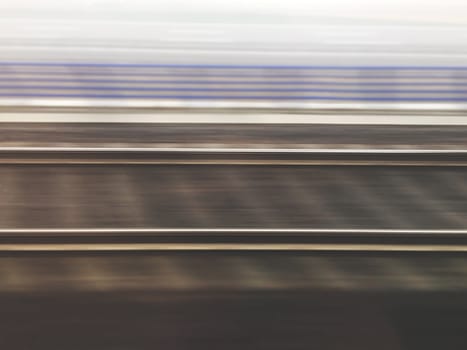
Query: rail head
[233, 156]
[232, 239]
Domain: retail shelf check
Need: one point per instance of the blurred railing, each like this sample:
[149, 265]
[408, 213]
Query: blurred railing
[244, 86]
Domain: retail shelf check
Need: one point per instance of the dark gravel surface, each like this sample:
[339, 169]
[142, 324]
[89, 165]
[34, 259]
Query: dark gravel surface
[209, 135]
[233, 196]
[261, 320]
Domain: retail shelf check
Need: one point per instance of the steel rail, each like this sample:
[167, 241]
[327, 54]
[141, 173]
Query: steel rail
[209, 239]
[233, 156]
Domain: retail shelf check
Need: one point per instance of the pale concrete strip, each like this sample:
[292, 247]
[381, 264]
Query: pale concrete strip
[395, 107]
[236, 118]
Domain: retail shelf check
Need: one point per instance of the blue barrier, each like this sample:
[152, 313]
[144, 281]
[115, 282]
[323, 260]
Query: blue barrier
[78, 80]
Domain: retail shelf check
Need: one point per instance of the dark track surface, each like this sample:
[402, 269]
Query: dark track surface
[223, 272]
[209, 135]
[232, 301]
[282, 300]
[260, 320]
[233, 196]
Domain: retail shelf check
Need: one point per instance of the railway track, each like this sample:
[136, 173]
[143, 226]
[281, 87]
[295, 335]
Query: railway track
[233, 156]
[203, 199]
[314, 240]
[332, 248]
[320, 236]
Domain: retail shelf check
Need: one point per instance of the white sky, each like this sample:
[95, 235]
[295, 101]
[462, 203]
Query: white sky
[441, 11]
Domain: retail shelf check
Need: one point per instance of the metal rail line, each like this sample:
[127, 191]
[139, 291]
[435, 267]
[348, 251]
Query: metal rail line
[227, 239]
[233, 156]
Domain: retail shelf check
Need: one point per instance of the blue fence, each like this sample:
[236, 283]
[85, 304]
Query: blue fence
[233, 82]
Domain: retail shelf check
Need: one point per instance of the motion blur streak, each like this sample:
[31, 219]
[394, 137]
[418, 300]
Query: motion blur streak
[266, 54]
[213, 174]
